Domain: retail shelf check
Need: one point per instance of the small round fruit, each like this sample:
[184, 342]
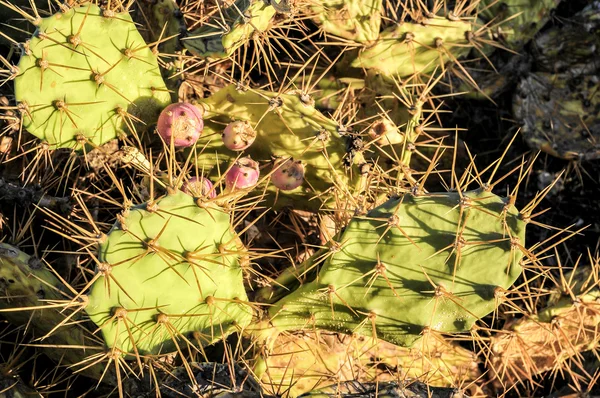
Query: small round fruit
[181, 122]
[199, 186]
[238, 135]
[243, 174]
[288, 174]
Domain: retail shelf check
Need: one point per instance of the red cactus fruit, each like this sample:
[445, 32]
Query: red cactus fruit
[288, 174]
[243, 174]
[199, 186]
[181, 122]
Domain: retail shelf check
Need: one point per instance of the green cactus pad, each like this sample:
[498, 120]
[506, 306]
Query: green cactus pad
[232, 28]
[287, 125]
[560, 114]
[176, 269]
[26, 283]
[377, 279]
[86, 76]
[516, 22]
[410, 48]
[26, 280]
[356, 20]
[571, 46]
[167, 21]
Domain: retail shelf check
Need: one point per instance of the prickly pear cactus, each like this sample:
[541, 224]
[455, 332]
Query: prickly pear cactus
[545, 341]
[392, 389]
[558, 105]
[231, 28]
[321, 358]
[26, 286]
[356, 20]
[572, 46]
[560, 114]
[417, 48]
[171, 272]
[516, 22]
[167, 21]
[432, 262]
[86, 76]
[287, 126]
[24, 278]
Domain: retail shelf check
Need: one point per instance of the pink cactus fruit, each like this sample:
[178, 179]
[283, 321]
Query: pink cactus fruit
[288, 174]
[243, 174]
[238, 135]
[199, 186]
[181, 122]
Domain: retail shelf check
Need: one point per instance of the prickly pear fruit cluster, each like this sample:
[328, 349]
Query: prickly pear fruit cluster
[433, 261]
[86, 77]
[230, 28]
[287, 126]
[171, 269]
